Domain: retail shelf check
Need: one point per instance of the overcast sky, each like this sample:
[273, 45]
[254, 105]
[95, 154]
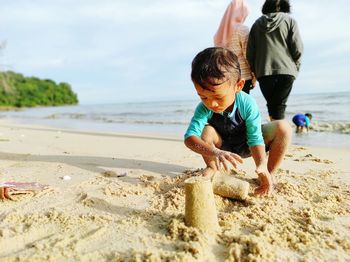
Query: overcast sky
[131, 50]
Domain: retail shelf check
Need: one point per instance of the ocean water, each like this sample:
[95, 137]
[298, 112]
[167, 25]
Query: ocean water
[330, 123]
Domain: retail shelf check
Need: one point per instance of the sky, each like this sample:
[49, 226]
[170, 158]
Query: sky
[113, 51]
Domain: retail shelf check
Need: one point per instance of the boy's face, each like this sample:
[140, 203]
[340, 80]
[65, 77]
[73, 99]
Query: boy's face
[220, 98]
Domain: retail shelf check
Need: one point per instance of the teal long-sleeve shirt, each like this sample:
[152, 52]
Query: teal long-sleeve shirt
[248, 109]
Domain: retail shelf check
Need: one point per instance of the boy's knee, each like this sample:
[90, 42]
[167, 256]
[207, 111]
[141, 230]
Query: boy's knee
[209, 135]
[283, 129]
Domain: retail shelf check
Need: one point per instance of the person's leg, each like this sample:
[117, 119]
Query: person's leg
[267, 84]
[282, 88]
[247, 86]
[210, 136]
[277, 135]
[276, 90]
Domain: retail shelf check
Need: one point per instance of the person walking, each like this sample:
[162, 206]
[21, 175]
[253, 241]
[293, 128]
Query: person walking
[274, 52]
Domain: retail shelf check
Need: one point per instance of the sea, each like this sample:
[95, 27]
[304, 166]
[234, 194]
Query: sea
[330, 125]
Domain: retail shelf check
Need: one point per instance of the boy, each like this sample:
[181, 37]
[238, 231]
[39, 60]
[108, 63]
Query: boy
[302, 121]
[226, 125]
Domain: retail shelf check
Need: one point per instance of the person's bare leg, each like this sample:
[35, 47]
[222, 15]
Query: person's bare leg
[211, 137]
[277, 134]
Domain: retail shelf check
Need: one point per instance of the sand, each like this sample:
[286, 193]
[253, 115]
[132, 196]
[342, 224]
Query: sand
[125, 201]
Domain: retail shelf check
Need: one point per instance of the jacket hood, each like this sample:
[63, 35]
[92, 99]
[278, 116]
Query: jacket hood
[270, 22]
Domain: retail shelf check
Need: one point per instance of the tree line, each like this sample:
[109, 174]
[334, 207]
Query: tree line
[17, 90]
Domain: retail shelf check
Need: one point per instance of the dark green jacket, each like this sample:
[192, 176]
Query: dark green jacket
[274, 46]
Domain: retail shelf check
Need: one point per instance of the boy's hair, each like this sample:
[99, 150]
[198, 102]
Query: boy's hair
[212, 64]
[274, 6]
[309, 115]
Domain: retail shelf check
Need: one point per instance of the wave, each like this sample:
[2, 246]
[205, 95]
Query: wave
[123, 120]
[316, 126]
[66, 115]
[331, 127]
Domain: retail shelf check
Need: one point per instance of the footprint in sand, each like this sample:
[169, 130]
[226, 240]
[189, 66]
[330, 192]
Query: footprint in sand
[110, 173]
[300, 148]
[310, 157]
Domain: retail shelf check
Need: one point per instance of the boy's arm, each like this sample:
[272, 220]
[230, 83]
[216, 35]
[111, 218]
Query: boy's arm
[256, 143]
[194, 131]
[259, 156]
[266, 182]
[250, 113]
[197, 145]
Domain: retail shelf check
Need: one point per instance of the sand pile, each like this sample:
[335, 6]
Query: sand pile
[306, 218]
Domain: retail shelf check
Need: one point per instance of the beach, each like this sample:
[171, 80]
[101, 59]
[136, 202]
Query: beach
[115, 197]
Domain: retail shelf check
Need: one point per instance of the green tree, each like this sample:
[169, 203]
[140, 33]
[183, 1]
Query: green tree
[20, 91]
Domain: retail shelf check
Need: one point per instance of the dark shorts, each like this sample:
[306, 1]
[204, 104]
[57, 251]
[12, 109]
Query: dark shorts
[241, 150]
[229, 144]
[299, 120]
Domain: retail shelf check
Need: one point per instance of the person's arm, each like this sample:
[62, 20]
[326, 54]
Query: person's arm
[307, 123]
[225, 158]
[256, 144]
[266, 183]
[295, 43]
[244, 35]
[250, 52]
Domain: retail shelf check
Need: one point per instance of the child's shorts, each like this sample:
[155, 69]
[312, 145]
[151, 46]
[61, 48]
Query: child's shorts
[241, 150]
[299, 120]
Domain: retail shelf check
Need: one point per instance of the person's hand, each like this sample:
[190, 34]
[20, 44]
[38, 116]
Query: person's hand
[266, 182]
[4, 193]
[226, 158]
[253, 82]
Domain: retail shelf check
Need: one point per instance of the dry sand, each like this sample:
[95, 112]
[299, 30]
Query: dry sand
[135, 210]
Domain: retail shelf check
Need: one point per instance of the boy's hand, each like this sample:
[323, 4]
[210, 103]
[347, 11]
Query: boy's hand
[266, 183]
[225, 158]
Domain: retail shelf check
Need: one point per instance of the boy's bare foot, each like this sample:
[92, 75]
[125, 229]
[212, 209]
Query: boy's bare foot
[266, 184]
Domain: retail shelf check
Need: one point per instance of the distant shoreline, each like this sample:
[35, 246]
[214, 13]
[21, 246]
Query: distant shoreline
[314, 139]
[18, 109]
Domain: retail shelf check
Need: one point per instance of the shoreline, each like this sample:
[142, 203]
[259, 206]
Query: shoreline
[312, 139]
[92, 133]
